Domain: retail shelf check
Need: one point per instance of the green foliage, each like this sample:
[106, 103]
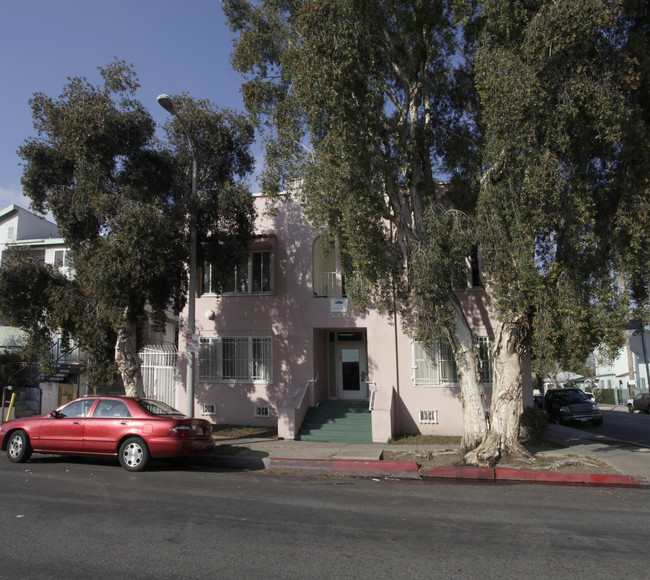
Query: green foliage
[535, 421]
[40, 300]
[359, 105]
[122, 201]
[556, 85]
[540, 124]
[605, 396]
[10, 367]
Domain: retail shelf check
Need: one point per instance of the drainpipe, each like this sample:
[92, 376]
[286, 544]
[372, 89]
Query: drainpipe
[396, 337]
[645, 357]
[396, 341]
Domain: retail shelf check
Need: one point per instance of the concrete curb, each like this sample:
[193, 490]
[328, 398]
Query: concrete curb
[507, 475]
[402, 469]
[446, 473]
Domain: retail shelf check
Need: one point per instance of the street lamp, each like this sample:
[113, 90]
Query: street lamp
[167, 103]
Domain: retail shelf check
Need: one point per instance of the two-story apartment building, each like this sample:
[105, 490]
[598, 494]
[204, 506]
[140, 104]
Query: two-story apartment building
[283, 338]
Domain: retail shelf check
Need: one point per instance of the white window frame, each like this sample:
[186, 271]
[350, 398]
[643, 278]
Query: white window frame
[61, 259]
[434, 367]
[236, 359]
[437, 368]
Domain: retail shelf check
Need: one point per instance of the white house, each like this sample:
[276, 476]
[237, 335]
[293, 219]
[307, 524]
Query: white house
[631, 368]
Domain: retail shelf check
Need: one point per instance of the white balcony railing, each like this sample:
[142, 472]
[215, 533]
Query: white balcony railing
[325, 284]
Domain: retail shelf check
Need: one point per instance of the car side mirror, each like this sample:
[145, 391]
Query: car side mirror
[56, 414]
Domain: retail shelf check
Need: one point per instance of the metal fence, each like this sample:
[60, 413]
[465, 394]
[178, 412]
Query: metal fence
[159, 372]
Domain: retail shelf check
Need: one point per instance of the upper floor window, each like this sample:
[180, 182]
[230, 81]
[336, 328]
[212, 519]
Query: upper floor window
[61, 258]
[324, 270]
[251, 276]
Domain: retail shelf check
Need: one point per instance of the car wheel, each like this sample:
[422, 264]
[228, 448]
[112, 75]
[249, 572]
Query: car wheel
[630, 408]
[134, 454]
[597, 422]
[19, 448]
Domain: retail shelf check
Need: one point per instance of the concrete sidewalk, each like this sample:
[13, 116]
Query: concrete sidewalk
[632, 462]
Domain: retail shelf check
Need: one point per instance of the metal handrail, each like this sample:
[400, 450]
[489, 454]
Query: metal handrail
[304, 390]
[325, 284]
[373, 392]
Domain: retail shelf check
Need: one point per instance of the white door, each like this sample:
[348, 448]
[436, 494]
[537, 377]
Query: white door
[352, 372]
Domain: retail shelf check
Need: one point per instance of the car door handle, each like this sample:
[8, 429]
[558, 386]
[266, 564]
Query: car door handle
[76, 422]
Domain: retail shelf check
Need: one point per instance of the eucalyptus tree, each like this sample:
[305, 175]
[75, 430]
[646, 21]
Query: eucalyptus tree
[360, 106]
[543, 122]
[122, 201]
[556, 82]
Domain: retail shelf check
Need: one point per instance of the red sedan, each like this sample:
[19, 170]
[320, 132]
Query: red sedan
[136, 430]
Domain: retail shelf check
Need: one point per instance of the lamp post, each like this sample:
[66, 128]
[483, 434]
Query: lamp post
[167, 103]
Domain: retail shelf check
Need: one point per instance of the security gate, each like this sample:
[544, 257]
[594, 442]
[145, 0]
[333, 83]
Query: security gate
[159, 372]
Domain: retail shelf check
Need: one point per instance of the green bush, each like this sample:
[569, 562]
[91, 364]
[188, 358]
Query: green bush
[608, 397]
[535, 422]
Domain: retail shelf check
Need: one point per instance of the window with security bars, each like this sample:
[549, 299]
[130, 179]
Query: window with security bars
[241, 358]
[436, 366]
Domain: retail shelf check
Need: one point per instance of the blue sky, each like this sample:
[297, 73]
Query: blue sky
[175, 46]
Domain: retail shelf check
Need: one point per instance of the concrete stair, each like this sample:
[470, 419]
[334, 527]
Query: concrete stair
[347, 422]
[21, 409]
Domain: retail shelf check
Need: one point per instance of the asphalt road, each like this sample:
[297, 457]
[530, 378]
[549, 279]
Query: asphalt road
[83, 518]
[632, 427]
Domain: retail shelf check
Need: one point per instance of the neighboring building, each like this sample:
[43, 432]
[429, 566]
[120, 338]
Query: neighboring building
[283, 338]
[20, 228]
[630, 371]
[40, 237]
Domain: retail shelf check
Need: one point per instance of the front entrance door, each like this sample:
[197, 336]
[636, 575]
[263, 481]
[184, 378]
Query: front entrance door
[352, 371]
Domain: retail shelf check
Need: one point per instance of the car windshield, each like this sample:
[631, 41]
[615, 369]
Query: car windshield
[158, 408]
[572, 396]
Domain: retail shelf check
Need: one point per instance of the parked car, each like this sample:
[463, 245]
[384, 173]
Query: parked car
[640, 403]
[566, 405]
[136, 430]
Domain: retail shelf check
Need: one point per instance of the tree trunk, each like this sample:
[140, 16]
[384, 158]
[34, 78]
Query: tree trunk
[507, 397]
[469, 377]
[128, 362]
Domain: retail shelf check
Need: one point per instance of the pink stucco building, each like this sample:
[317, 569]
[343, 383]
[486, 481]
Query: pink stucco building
[283, 339]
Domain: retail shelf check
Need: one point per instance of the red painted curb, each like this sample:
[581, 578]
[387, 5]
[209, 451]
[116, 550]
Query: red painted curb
[459, 472]
[378, 467]
[503, 474]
